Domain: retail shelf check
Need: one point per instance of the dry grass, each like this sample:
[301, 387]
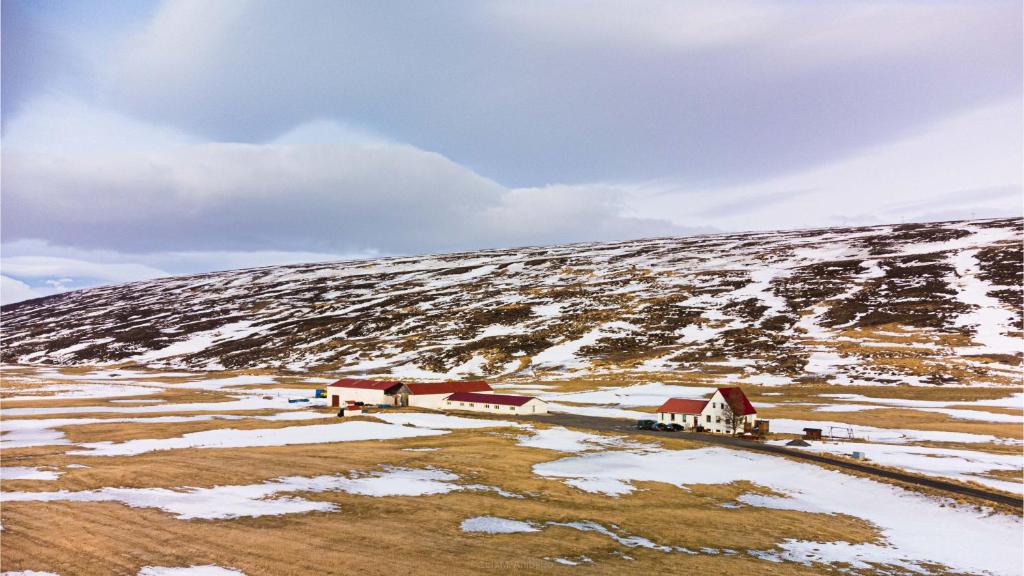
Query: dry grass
[413, 534]
[418, 535]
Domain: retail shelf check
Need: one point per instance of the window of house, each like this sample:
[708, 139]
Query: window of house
[709, 417]
[673, 417]
[511, 407]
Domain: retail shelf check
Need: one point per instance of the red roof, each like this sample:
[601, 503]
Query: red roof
[738, 401]
[505, 399]
[448, 387]
[683, 406]
[365, 384]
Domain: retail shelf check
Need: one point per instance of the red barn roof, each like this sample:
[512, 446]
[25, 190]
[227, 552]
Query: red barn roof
[366, 384]
[738, 401]
[504, 399]
[683, 406]
[448, 387]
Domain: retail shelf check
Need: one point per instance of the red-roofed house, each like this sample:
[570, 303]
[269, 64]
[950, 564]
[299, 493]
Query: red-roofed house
[365, 391]
[432, 394]
[727, 411]
[495, 403]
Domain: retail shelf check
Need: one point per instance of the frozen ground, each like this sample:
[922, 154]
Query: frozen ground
[203, 570]
[944, 462]
[885, 435]
[231, 438]
[916, 531]
[225, 502]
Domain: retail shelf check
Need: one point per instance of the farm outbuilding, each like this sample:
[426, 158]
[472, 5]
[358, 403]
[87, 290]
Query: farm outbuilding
[433, 394]
[727, 411]
[495, 403]
[349, 390]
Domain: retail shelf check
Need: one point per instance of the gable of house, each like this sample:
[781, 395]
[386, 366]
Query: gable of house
[737, 400]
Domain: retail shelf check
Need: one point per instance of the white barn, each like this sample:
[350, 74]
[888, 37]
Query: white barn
[495, 403]
[433, 394]
[366, 391]
[727, 411]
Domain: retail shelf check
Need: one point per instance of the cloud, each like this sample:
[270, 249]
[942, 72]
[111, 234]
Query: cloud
[12, 291]
[531, 93]
[57, 269]
[345, 198]
[965, 167]
[34, 268]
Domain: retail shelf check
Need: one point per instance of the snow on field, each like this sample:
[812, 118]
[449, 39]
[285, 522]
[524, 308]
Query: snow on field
[40, 431]
[990, 320]
[565, 440]
[760, 380]
[495, 525]
[914, 528]
[199, 341]
[441, 421]
[653, 394]
[943, 462]
[886, 435]
[1015, 400]
[84, 390]
[530, 387]
[599, 412]
[201, 570]
[27, 473]
[27, 573]
[939, 407]
[252, 500]
[564, 354]
[252, 402]
[353, 431]
[976, 415]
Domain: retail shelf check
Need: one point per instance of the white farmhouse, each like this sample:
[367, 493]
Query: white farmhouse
[495, 403]
[727, 411]
[349, 390]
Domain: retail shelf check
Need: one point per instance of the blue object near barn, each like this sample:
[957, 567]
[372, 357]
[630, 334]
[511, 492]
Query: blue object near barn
[321, 393]
[295, 400]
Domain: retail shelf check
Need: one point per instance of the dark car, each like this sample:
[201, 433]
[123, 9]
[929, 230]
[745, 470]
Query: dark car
[646, 425]
[676, 427]
[665, 427]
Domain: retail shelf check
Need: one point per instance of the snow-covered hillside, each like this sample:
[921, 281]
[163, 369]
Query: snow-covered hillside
[917, 304]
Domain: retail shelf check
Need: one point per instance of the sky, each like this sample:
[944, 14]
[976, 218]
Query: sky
[150, 138]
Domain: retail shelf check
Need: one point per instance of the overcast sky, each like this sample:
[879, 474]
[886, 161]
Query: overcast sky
[142, 139]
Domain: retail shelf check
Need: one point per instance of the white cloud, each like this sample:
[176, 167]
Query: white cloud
[968, 166]
[354, 195]
[12, 290]
[60, 269]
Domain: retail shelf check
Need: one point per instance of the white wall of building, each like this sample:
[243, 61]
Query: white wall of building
[431, 401]
[534, 406]
[365, 395]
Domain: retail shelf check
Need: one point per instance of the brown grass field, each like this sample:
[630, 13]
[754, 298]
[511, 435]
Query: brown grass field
[421, 534]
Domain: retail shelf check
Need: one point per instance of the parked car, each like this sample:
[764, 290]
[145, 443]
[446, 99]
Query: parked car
[646, 425]
[665, 427]
[676, 427]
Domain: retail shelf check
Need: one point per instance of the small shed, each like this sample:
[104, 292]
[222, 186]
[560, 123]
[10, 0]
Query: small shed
[495, 403]
[812, 433]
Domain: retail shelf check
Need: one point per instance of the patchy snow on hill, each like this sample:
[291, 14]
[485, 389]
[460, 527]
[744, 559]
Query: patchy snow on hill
[774, 308]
